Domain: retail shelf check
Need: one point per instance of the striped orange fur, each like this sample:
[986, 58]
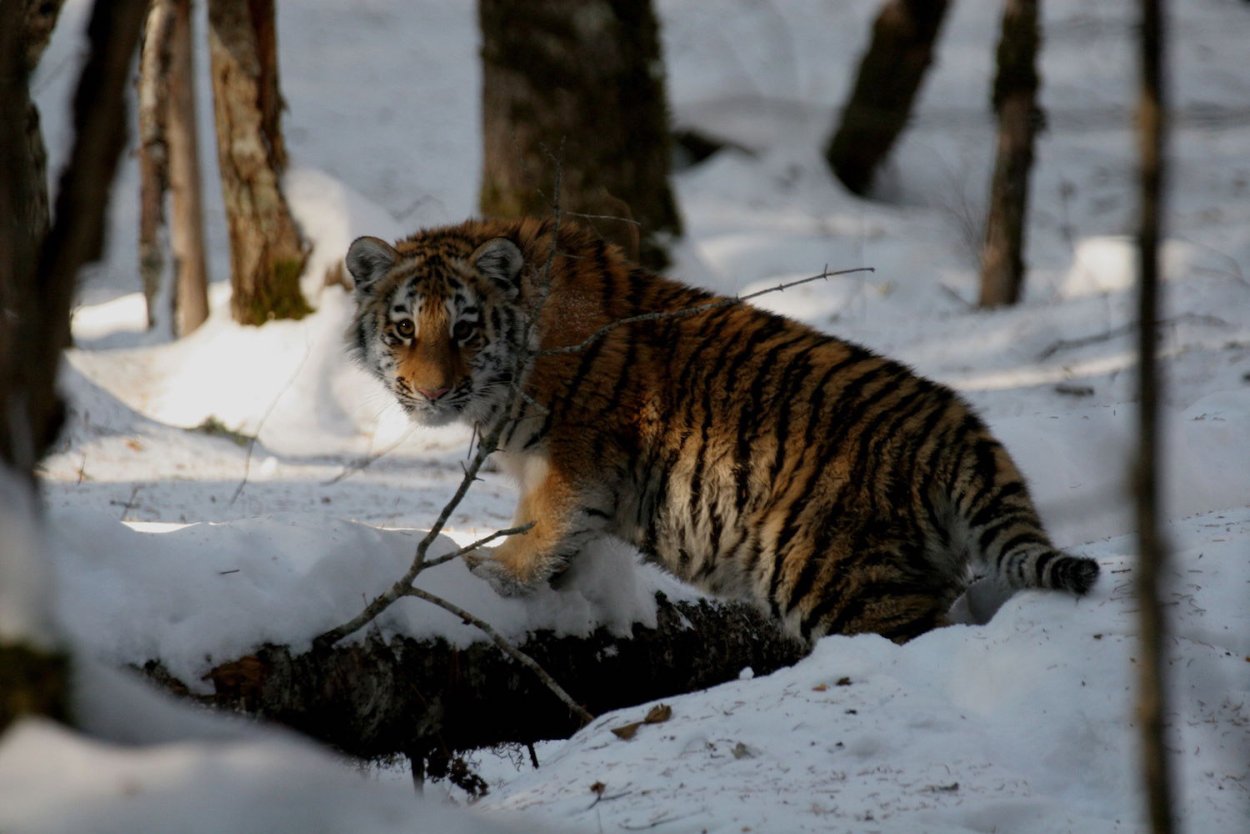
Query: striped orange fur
[747, 453]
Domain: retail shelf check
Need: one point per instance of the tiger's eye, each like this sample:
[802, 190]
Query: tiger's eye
[405, 328]
[463, 330]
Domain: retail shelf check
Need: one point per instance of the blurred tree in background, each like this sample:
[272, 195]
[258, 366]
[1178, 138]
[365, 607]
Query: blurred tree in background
[578, 84]
[267, 253]
[1019, 118]
[890, 74]
[169, 162]
[39, 265]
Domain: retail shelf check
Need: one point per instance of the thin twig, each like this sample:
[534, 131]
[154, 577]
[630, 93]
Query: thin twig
[364, 462]
[251, 444]
[696, 310]
[384, 600]
[604, 217]
[509, 649]
[482, 542]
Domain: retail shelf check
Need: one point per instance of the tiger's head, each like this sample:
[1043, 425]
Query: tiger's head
[436, 321]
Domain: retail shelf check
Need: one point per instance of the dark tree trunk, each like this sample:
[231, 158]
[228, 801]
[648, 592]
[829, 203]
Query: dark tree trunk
[890, 74]
[577, 84]
[39, 265]
[267, 253]
[37, 280]
[1015, 103]
[414, 697]
[1152, 689]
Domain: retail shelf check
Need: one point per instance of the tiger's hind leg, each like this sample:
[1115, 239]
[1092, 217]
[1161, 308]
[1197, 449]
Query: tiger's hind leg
[875, 577]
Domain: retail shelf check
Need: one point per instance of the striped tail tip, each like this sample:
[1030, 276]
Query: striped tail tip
[1045, 567]
[1074, 573]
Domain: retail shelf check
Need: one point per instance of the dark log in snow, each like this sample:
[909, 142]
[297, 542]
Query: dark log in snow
[413, 697]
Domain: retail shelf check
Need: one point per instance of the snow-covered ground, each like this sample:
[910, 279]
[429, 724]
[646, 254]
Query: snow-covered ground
[172, 541]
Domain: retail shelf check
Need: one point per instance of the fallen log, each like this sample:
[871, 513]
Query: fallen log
[380, 698]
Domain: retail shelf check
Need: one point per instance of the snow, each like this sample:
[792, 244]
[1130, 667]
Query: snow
[249, 484]
[25, 580]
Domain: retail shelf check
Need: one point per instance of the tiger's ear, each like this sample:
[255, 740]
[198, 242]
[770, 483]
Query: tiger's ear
[368, 259]
[500, 261]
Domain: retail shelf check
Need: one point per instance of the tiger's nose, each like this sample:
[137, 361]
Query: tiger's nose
[432, 394]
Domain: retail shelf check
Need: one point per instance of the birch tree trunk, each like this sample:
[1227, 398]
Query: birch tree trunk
[890, 75]
[267, 253]
[1015, 103]
[185, 185]
[153, 148]
[578, 84]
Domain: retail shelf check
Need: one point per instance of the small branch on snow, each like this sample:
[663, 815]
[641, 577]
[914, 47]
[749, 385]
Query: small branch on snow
[251, 444]
[482, 542]
[515, 653]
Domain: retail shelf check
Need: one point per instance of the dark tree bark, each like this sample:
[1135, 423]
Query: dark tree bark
[37, 281]
[408, 697]
[1152, 689]
[890, 75]
[38, 276]
[577, 84]
[1015, 103]
[267, 253]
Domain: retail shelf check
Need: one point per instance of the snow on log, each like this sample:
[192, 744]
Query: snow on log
[408, 696]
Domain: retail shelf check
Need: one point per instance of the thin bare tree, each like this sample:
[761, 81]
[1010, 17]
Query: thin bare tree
[153, 152]
[1019, 118]
[185, 184]
[1152, 550]
[169, 163]
[889, 78]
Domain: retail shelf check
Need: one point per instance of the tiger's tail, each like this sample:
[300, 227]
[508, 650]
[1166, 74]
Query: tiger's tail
[1004, 534]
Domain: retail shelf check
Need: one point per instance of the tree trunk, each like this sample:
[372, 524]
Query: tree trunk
[1015, 102]
[267, 254]
[169, 162]
[153, 148]
[37, 280]
[1152, 689]
[38, 276]
[890, 74]
[186, 194]
[577, 85]
[413, 697]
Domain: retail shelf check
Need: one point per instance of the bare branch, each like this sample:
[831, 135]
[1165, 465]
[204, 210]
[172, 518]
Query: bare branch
[482, 542]
[384, 600]
[518, 655]
[364, 462]
[251, 444]
[697, 309]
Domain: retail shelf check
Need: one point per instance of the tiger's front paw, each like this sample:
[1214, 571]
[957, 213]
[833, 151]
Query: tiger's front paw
[505, 582]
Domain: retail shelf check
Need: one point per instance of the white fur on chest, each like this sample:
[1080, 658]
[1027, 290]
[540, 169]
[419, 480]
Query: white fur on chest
[528, 470]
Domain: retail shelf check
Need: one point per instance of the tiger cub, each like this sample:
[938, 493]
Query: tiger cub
[746, 453]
